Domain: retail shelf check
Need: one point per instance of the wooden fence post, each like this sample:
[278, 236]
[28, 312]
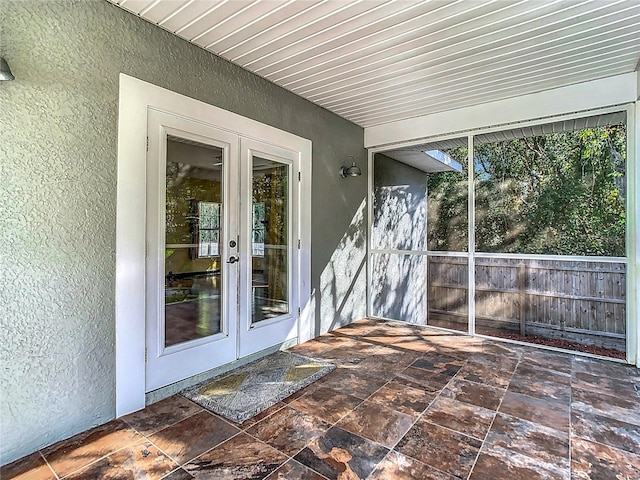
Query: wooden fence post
[522, 272]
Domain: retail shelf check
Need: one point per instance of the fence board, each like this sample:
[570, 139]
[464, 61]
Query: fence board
[571, 299]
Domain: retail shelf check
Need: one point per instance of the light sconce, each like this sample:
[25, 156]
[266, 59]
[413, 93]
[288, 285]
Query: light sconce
[352, 171]
[5, 71]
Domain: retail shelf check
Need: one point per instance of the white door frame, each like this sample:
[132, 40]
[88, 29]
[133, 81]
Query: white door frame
[136, 97]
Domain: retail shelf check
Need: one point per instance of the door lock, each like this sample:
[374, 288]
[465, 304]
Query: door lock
[233, 259]
[232, 244]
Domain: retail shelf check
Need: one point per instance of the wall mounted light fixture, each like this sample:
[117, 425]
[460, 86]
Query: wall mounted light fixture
[5, 71]
[352, 171]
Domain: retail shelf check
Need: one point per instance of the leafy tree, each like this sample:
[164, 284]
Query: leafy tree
[561, 193]
[447, 207]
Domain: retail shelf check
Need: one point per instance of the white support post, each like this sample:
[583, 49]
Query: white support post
[633, 234]
[471, 293]
[370, 154]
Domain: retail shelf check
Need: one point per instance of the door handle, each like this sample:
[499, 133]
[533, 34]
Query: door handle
[233, 259]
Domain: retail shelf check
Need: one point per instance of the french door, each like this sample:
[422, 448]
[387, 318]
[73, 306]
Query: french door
[221, 267]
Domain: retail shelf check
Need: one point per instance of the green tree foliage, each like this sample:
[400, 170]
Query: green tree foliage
[447, 207]
[561, 194]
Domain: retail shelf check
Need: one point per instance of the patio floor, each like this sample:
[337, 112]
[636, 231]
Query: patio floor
[406, 402]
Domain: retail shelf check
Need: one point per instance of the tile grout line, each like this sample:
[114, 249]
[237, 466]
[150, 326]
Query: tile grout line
[331, 425]
[436, 398]
[493, 420]
[134, 442]
[55, 474]
[412, 423]
[153, 432]
[379, 463]
[209, 449]
[335, 424]
[571, 430]
[139, 441]
[289, 457]
[420, 354]
[617, 449]
[419, 417]
[172, 472]
[168, 456]
[202, 409]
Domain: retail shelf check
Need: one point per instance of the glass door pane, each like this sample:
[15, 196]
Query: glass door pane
[193, 270]
[269, 239]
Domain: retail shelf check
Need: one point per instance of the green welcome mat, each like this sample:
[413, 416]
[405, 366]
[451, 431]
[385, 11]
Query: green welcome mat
[248, 390]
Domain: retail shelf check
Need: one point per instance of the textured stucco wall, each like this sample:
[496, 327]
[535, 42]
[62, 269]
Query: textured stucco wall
[400, 206]
[399, 223]
[58, 190]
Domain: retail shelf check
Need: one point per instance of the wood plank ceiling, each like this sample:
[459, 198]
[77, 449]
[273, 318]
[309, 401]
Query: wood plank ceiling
[377, 61]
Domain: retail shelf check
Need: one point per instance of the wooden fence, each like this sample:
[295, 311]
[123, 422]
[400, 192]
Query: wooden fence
[580, 301]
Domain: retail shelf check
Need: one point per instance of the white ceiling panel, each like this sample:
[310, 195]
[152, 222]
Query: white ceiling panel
[476, 96]
[380, 50]
[336, 37]
[186, 14]
[231, 24]
[273, 37]
[377, 61]
[443, 83]
[264, 26]
[156, 11]
[467, 54]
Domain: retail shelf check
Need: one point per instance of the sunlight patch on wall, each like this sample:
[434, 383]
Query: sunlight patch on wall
[400, 218]
[398, 287]
[343, 281]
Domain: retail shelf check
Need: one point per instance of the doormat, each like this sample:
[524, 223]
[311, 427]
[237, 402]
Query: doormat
[248, 390]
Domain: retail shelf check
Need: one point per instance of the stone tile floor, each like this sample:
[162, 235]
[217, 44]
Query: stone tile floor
[405, 403]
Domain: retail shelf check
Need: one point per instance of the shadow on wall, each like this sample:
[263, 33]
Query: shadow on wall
[343, 281]
[398, 287]
[399, 218]
[398, 279]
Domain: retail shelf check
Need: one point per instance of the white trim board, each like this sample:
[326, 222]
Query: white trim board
[136, 97]
[617, 90]
[633, 233]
